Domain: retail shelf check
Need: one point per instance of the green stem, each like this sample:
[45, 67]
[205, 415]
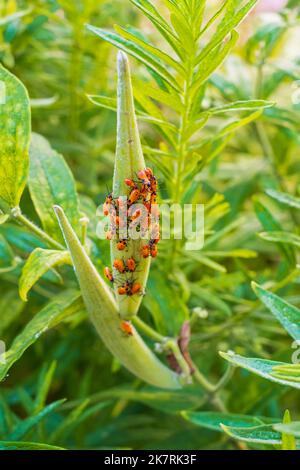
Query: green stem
[17, 214]
[148, 331]
[168, 344]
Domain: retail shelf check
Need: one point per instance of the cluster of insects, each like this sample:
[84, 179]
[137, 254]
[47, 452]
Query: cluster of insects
[141, 212]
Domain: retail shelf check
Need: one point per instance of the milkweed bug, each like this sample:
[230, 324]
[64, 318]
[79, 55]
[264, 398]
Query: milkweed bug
[126, 327]
[121, 245]
[149, 173]
[119, 265]
[145, 251]
[136, 287]
[130, 183]
[108, 274]
[134, 196]
[131, 265]
[153, 198]
[125, 289]
[143, 176]
[153, 249]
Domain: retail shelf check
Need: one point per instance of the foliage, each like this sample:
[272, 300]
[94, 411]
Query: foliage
[218, 115]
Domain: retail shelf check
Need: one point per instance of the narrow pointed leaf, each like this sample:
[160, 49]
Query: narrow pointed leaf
[287, 314]
[56, 311]
[38, 263]
[284, 198]
[261, 367]
[256, 435]
[136, 51]
[288, 440]
[213, 420]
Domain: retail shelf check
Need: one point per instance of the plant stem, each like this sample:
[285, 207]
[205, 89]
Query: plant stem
[148, 331]
[37, 230]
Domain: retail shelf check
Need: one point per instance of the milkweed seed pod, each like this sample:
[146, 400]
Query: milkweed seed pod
[129, 162]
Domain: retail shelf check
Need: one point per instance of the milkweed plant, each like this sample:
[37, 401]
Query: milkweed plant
[169, 114]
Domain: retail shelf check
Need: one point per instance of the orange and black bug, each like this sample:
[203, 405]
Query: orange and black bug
[136, 288]
[108, 274]
[149, 172]
[125, 289]
[144, 191]
[130, 183]
[107, 204]
[136, 214]
[153, 198]
[121, 245]
[147, 205]
[154, 184]
[134, 196]
[119, 265]
[153, 248]
[126, 327]
[131, 264]
[145, 251]
[142, 176]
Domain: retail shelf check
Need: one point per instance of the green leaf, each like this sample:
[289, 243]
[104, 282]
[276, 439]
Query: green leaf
[257, 435]
[233, 126]
[51, 182]
[214, 420]
[3, 218]
[43, 386]
[158, 21]
[284, 198]
[213, 60]
[14, 16]
[7, 257]
[241, 106]
[292, 428]
[286, 314]
[158, 54]
[14, 139]
[161, 302]
[261, 367]
[111, 104]
[136, 51]
[23, 445]
[27, 424]
[230, 21]
[160, 95]
[11, 306]
[270, 224]
[56, 311]
[38, 263]
[288, 440]
[281, 237]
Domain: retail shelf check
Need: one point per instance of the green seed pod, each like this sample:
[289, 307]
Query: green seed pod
[130, 350]
[128, 162]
